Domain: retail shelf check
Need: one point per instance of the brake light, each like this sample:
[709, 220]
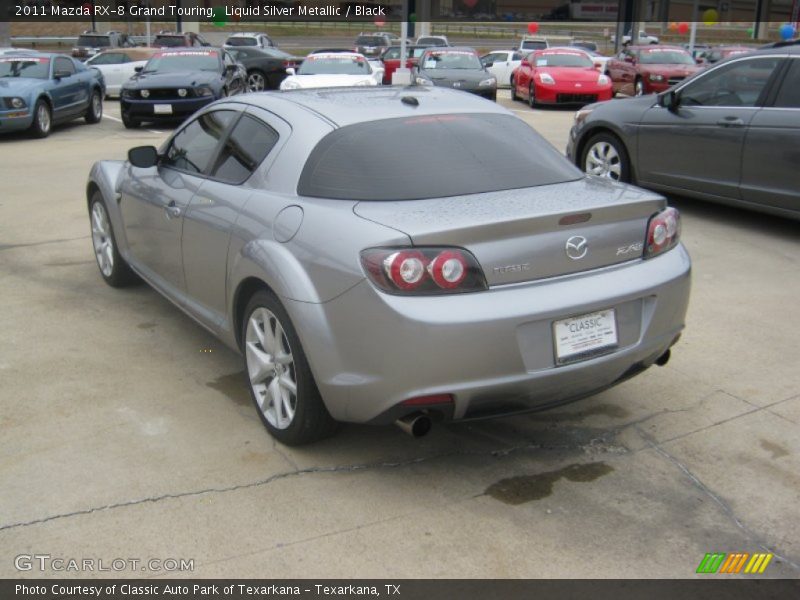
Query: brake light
[423, 271]
[663, 232]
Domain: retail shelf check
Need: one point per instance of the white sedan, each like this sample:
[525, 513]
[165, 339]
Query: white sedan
[501, 63]
[333, 69]
[119, 65]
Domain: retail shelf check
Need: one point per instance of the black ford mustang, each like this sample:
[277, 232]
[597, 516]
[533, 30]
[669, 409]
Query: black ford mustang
[176, 82]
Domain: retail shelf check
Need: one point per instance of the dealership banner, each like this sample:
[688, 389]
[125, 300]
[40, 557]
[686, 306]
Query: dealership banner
[380, 12]
[405, 589]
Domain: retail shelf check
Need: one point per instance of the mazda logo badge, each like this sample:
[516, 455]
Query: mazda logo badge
[577, 247]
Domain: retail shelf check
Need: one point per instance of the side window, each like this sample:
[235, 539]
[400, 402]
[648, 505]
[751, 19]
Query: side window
[111, 58]
[64, 64]
[249, 143]
[733, 84]
[228, 59]
[392, 54]
[517, 56]
[789, 94]
[193, 147]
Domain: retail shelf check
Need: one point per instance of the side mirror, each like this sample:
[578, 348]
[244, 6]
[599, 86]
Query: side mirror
[629, 59]
[488, 64]
[139, 69]
[61, 74]
[291, 71]
[700, 61]
[525, 63]
[230, 68]
[143, 157]
[670, 100]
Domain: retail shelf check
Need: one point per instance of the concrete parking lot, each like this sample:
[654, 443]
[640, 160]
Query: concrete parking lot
[126, 430]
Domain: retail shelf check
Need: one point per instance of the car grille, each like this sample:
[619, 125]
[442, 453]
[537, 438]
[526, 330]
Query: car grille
[576, 98]
[674, 80]
[168, 94]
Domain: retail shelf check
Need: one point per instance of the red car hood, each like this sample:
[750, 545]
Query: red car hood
[671, 70]
[571, 74]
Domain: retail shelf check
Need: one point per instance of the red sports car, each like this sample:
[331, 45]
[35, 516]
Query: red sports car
[639, 70]
[559, 76]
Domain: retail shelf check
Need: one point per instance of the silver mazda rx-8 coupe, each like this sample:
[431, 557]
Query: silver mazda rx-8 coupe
[400, 254]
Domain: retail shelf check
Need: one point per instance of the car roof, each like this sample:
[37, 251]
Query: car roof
[182, 49]
[451, 49]
[247, 34]
[347, 106]
[656, 47]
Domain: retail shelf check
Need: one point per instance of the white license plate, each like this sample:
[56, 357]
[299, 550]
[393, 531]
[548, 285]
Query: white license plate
[584, 336]
[162, 109]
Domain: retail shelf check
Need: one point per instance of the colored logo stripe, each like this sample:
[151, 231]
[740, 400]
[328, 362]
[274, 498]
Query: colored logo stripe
[711, 562]
[758, 564]
[721, 562]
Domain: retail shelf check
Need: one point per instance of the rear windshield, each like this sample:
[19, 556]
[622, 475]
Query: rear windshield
[369, 40]
[170, 41]
[94, 41]
[242, 41]
[431, 157]
[533, 45]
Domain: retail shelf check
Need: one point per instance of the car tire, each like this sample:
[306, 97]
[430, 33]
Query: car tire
[94, 113]
[256, 81]
[605, 155]
[283, 391]
[42, 119]
[129, 122]
[514, 96]
[531, 95]
[638, 87]
[113, 268]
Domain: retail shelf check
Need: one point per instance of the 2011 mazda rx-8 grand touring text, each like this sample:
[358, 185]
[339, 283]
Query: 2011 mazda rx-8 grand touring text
[487, 276]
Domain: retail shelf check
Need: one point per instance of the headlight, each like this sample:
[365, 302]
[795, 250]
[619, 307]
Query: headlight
[423, 81]
[203, 91]
[488, 82]
[128, 93]
[145, 93]
[182, 92]
[15, 103]
[581, 115]
[655, 77]
[290, 85]
[602, 80]
[546, 78]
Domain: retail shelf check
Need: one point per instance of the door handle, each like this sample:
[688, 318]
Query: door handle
[173, 210]
[731, 122]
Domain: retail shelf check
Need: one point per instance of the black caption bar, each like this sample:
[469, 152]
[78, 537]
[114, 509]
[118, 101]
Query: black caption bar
[478, 589]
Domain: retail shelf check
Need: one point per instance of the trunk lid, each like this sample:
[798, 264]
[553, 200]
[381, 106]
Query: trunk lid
[523, 235]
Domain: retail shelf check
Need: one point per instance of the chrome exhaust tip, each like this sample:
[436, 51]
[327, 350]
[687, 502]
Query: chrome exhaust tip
[415, 425]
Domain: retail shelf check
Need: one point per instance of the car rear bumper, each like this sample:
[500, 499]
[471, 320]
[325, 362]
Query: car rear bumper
[494, 350]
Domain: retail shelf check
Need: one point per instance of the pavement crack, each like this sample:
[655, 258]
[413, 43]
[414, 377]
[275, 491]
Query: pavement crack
[724, 506]
[27, 245]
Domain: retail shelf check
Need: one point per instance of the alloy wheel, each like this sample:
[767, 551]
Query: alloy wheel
[603, 160]
[256, 82]
[270, 368]
[102, 240]
[43, 118]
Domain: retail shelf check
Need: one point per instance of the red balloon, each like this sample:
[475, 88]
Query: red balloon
[533, 28]
[380, 21]
[683, 28]
[470, 3]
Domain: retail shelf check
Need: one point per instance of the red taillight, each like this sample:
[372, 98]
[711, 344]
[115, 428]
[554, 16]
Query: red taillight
[663, 232]
[423, 271]
[429, 400]
[405, 269]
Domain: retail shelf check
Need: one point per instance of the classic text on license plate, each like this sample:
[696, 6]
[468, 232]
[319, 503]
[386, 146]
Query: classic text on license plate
[584, 336]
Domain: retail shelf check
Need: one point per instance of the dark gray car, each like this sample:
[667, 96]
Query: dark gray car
[730, 134]
[457, 68]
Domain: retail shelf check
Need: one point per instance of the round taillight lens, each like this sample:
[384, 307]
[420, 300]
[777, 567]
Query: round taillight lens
[405, 269]
[659, 234]
[448, 269]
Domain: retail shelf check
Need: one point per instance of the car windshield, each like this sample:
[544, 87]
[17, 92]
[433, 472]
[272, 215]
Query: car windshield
[242, 41]
[563, 59]
[35, 68]
[170, 41]
[183, 61]
[659, 56]
[334, 64]
[370, 40]
[449, 155]
[94, 41]
[451, 60]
